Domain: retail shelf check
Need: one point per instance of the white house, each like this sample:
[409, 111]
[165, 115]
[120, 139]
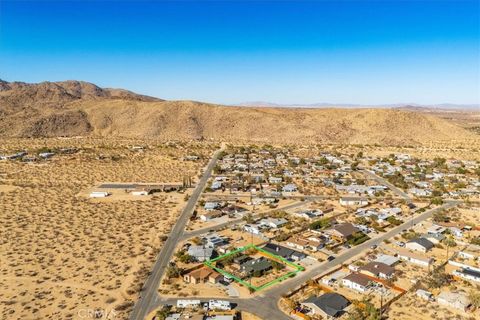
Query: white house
[275, 180]
[349, 201]
[465, 271]
[309, 214]
[468, 274]
[419, 244]
[200, 253]
[357, 281]
[457, 233]
[252, 228]
[436, 229]
[211, 205]
[273, 222]
[417, 259]
[99, 194]
[216, 185]
[424, 295]
[289, 188]
[455, 300]
[387, 259]
[420, 192]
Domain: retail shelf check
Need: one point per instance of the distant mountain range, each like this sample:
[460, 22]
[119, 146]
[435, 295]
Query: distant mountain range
[76, 108]
[441, 106]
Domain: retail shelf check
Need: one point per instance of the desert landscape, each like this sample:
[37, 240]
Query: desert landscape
[61, 252]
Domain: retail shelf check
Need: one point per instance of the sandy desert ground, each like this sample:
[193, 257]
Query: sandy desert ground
[63, 255]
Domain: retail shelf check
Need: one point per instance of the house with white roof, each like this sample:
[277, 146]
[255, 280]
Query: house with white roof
[200, 253]
[289, 188]
[454, 300]
[350, 201]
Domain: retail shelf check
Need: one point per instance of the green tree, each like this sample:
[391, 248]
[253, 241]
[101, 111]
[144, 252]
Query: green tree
[320, 224]
[438, 279]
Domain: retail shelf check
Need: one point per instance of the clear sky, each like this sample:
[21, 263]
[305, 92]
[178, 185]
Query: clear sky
[362, 52]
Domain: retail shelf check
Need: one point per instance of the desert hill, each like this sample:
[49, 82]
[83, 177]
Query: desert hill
[73, 108]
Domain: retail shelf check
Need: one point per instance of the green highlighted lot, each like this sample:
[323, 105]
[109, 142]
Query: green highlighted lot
[296, 268]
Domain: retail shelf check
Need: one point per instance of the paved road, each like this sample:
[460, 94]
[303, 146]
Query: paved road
[255, 305]
[383, 181]
[220, 226]
[265, 305]
[149, 296]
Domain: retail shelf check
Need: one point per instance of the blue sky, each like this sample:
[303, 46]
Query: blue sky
[362, 52]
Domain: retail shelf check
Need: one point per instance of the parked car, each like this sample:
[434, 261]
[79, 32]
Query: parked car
[330, 258]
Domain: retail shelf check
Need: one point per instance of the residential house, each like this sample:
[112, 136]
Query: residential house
[468, 273]
[436, 229]
[284, 252]
[309, 214]
[209, 215]
[349, 201]
[457, 233]
[253, 228]
[357, 281]
[302, 243]
[413, 258]
[327, 305]
[260, 265]
[342, 231]
[202, 275]
[213, 240]
[200, 253]
[419, 244]
[216, 185]
[378, 270]
[465, 268]
[434, 238]
[211, 205]
[387, 259]
[424, 295]
[233, 209]
[420, 192]
[289, 188]
[274, 223]
[275, 180]
[454, 300]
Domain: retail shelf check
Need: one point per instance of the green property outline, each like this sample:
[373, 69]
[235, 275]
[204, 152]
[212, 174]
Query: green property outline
[297, 268]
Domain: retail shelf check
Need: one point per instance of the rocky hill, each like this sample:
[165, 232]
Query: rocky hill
[73, 108]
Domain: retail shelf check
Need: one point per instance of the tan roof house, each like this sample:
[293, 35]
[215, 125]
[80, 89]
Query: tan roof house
[202, 275]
